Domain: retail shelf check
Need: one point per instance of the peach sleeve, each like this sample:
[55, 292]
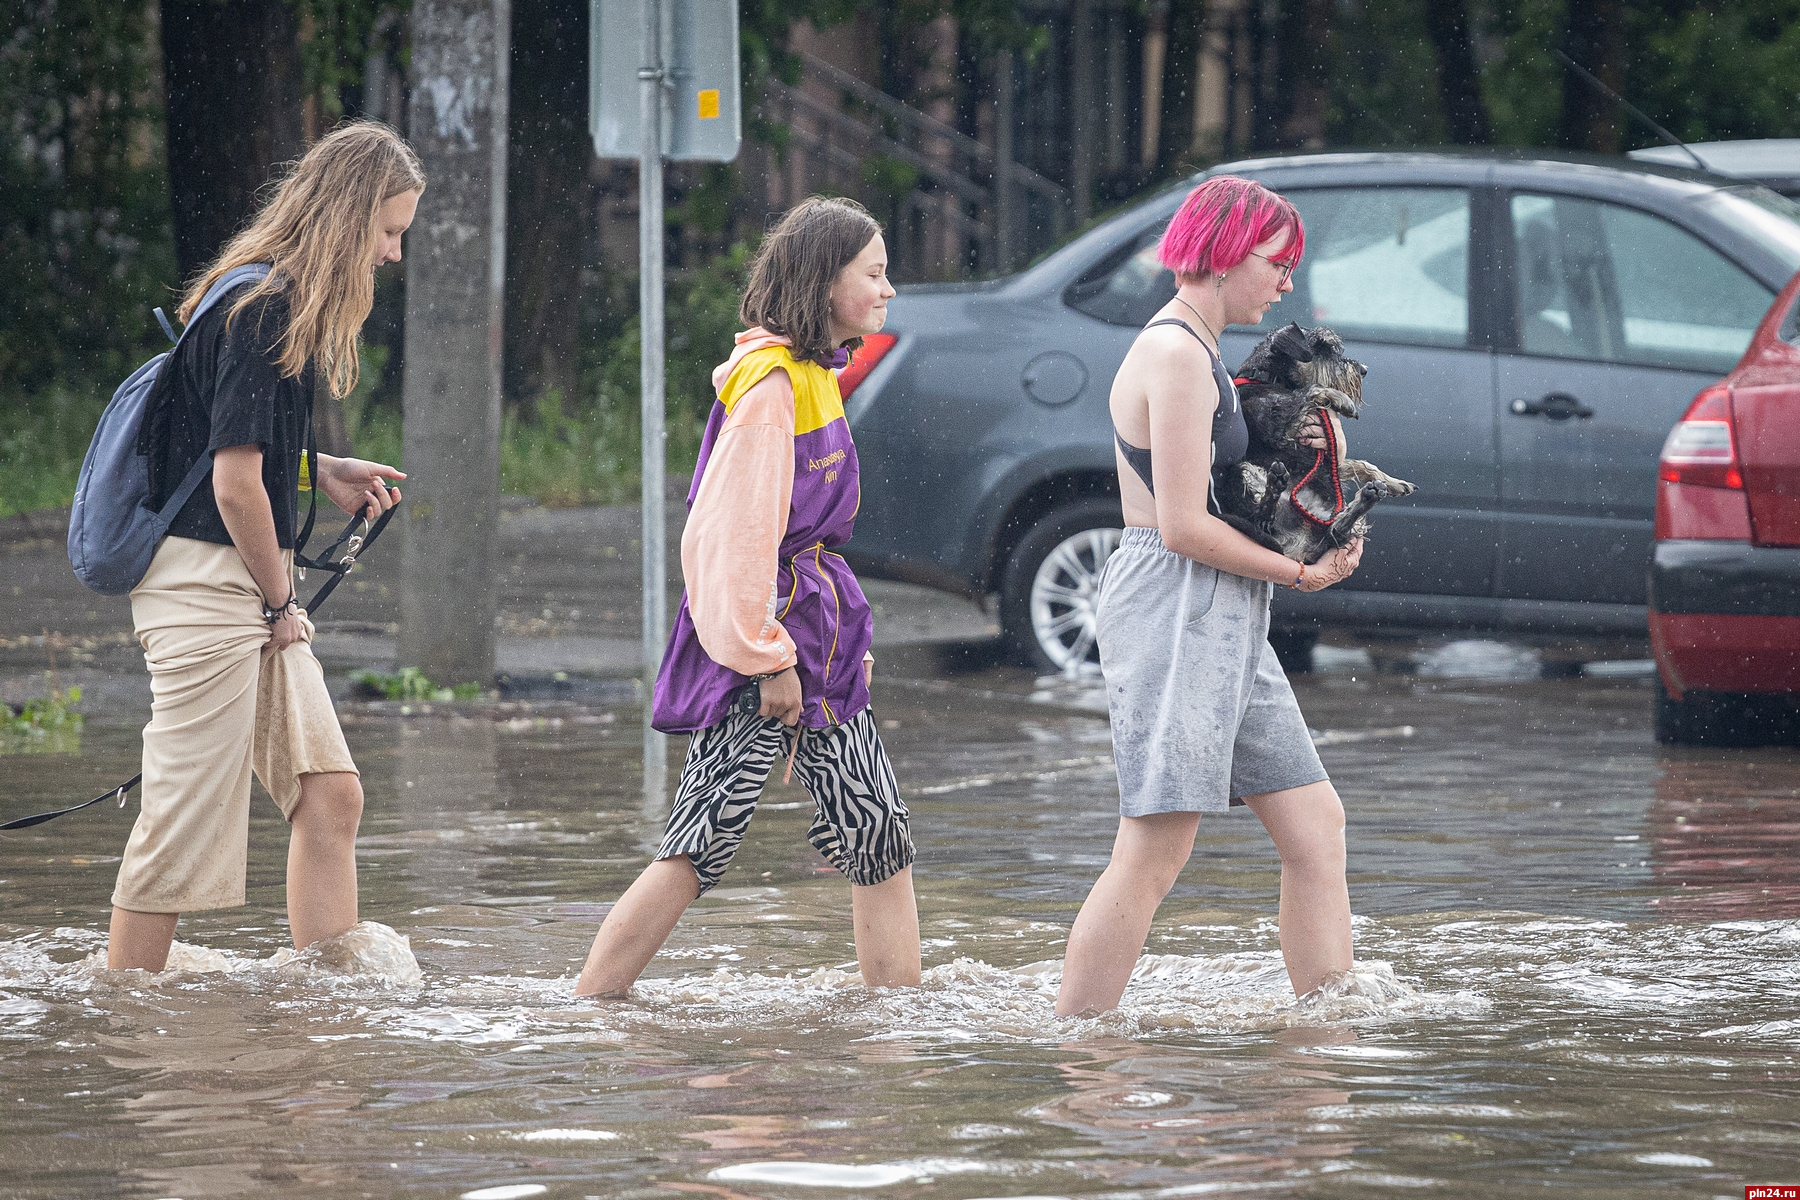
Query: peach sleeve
[730, 550]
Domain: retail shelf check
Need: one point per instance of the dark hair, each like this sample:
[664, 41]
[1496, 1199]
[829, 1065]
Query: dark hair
[790, 280]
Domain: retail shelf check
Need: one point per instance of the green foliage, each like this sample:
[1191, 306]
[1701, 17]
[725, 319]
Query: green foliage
[565, 461]
[43, 725]
[1384, 78]
[409, 684]
[1523, 82]
[700, 319]
[890, 177]
[336, 37]
[42, 440]
[1716, 70]
[1706, 71]
[85, 244]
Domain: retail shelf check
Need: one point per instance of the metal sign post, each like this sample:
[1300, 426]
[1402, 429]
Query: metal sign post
[652, 443]
[673, 65]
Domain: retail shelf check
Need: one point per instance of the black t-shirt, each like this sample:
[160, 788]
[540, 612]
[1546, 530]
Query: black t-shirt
[227, 389]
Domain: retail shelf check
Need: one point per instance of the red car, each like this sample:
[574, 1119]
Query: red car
[1725, 571]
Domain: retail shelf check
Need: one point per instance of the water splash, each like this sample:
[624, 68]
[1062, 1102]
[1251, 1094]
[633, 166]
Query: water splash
[368, 952]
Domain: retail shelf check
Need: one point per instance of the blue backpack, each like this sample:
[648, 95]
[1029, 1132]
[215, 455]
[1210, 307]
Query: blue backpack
[113, 531]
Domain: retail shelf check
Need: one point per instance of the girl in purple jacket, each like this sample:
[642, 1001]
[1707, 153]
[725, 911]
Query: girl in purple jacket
[769, 605]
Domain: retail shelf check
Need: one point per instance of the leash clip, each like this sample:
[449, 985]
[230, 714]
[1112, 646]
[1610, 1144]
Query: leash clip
[121, 795]
[352, 548]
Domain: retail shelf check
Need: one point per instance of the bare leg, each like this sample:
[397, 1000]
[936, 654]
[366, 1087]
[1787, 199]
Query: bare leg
[1307, 825]
[886, 919]
[1109, 933]
[637, 926]
[140, 940]
[321, 868]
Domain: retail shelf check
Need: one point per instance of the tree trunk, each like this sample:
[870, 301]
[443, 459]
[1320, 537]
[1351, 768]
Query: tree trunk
[1156, 51]
[329, 426]
[1213, 81]
[549, 199]
[1459, 80]
[1082, 122]
[1595, 39]
[1307, 31]
[235, 97]
[455, 292]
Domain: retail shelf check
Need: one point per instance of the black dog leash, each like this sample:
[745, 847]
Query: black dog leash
[351, 542]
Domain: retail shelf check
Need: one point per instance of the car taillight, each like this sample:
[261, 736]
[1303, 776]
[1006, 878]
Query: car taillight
[1699, 450]
[874, 347]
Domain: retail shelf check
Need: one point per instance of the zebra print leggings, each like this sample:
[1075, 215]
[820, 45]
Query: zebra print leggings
[861, 825]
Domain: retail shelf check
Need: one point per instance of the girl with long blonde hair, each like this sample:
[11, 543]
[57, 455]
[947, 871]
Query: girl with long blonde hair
[235, 685]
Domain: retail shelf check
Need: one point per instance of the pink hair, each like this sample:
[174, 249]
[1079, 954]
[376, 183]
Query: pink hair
[1221, 221]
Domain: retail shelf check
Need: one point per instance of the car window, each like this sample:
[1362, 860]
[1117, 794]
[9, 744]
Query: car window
[1384, 264]
[1128, 286]
[1612, 284]
[1770, 219]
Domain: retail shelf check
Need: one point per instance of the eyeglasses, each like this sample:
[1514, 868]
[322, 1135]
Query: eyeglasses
[1286, 269]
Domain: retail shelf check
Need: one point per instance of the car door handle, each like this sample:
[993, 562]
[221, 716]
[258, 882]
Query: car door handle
[1558, 406]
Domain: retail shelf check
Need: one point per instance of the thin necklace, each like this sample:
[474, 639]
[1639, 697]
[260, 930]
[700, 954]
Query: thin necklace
[1201, 319]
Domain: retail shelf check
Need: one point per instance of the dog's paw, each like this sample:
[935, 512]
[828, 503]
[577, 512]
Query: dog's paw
[1278, 476]
[1338, 401]
[1399, 487]
[1376, 490]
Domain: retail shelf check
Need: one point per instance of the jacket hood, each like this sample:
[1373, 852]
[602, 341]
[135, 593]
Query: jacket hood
[748, 342]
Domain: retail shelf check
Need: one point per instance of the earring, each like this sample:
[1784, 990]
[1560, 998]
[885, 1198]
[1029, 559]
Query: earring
[1220, 281]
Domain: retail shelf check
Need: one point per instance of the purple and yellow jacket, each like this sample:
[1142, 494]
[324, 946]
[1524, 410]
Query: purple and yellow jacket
[775, 489]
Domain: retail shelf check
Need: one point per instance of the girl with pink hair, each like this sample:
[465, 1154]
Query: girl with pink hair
[1202, 715]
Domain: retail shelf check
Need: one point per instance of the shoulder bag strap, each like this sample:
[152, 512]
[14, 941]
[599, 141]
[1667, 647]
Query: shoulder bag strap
[312, 510]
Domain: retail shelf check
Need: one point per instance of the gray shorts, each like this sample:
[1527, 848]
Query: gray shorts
[1202, 714]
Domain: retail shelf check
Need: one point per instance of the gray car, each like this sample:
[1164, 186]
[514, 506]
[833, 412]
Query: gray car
[1532, 326]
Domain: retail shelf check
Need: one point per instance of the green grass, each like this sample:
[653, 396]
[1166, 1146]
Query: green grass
[409, 684]
[42, 441]
[43, 725]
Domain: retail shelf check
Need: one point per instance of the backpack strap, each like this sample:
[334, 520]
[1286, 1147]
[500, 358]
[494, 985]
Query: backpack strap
[225, 283]
[181, 495]
[216, 293]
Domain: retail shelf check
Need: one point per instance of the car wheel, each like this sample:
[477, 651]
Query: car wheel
[1722, 719]
[1051, 586]
[1671, 718]
[1294, 649]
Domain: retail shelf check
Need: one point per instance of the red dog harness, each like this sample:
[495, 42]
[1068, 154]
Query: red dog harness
[1328, 455]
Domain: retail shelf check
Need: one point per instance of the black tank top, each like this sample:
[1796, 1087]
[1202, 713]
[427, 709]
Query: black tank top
[1230, 436]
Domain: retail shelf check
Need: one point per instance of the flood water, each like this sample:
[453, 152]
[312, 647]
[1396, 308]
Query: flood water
[1579, 970]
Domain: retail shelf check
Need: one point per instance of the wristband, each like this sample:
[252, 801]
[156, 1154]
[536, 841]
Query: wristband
[1299, 579]
[272, 615]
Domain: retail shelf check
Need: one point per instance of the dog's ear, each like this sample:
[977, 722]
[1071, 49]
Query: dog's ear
[1290, 340]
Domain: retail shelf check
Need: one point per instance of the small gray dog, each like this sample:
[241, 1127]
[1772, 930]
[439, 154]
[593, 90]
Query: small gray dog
[1291, 498]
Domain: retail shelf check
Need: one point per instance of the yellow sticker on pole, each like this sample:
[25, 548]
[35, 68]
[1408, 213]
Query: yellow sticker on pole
[709, 103]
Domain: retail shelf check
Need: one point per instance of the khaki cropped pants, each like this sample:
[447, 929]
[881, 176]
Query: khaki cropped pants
[223, 705]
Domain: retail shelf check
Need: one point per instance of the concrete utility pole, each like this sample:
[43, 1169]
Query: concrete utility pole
[455, 279]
